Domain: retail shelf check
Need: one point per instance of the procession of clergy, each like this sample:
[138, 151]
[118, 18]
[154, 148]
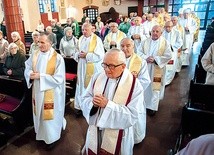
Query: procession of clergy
[170, 48]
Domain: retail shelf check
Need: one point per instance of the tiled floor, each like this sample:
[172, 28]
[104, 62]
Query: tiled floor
[162, 129]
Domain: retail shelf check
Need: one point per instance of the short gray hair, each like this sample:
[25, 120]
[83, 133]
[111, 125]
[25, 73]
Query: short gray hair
[15, 33]
[12, 45]
[35, 33]
[117, 53]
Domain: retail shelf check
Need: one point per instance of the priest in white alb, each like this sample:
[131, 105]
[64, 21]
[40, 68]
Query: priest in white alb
[157, 52]
[173, 36]
[45, 73]
[111, 105]
[138, 67]
[89, 57]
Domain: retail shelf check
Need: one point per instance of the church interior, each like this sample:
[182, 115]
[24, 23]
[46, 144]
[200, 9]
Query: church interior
[186, 111]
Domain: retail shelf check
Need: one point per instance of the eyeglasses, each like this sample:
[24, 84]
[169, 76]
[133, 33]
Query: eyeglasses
[110, 66]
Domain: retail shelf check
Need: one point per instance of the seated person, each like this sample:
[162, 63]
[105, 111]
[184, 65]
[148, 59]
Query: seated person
[207, 62]
[203, 145]
[15, 62]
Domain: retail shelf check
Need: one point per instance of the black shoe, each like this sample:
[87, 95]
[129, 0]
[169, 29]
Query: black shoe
[151, 112]
[50, 146]
[78, 112]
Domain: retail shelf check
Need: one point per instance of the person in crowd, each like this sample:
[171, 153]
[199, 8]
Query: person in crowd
[40, 27]
[15, 62]
[68, 23]
[3, 29]
[111, 105]
[75, 27]
[202, 145]
[106, 29]
[158, 18]
[99, 24]
[52, 35]
[89, 56]
[143, 18]
[113, 38]
[190, 26]
[157, 52]
[178, 27]
[3, 51]
[149, 23]
[68, 44]
[124, 25]
[83, 18]
[197, 20]
[87, 20]
[207, 62]
[17, 40]
[120, 19]
[94, 30]
[45, 73]
[58, 31]
[138, 32]
[173, 37]
[138, 67]
[35, 45]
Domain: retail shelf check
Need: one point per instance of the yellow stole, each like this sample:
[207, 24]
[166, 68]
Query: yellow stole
[158, 72]
[89, 65]
[48, 112]
[110, 136]
[135, 64]
[119, 36]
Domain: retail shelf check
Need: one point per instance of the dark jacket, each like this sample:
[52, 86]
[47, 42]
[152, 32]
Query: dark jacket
[16, 63]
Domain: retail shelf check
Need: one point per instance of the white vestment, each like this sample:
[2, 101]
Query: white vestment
[207, 62]
[116, 37]
[47, 130]
[174, 39]
[114, 115]
[152, 97]
[144, 78]
[150, 24]
[96, 57]
[140, 30]
[188, 38]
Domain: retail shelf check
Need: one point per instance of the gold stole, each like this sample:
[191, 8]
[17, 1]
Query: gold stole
[119, 36]
[158, 72]
[48, 112]
[110, 136]
[89, 65]
[135, 64]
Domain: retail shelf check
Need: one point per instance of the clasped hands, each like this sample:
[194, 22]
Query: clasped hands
[150, 59]
[100, 101]
[35, 76]
[82, 54]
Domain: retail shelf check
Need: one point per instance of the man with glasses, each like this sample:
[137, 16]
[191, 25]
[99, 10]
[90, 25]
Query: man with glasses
[111, 105]
[138, 67]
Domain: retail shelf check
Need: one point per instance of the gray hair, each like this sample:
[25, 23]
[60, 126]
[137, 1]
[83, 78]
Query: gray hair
[117, 53]
[12, 45]
[15, 33]
[49, 37]
[35, 33]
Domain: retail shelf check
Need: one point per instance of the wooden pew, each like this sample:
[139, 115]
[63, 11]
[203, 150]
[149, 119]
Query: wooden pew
[17, 105]
[71, 77]
[200, 74]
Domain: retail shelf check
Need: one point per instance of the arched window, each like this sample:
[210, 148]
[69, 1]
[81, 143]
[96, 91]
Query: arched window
[43, 5]
[91, 12]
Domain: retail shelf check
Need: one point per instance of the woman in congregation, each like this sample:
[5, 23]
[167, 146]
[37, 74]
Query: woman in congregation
[68, 44]
[15, 62]
[17, 40]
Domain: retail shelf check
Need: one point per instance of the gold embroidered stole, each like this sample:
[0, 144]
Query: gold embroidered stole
[158, 72]
[135, 64]
[89, 65]
[110, 136]
[48, 112]
[119, 36]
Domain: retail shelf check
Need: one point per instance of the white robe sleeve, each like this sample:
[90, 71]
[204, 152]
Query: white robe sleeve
[28, 70]
[207, 59]
[52, 81]
[117, 116]
[98, 53]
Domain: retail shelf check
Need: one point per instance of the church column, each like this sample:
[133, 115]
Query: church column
[13, 19]
[140, 8]
[166, 3]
